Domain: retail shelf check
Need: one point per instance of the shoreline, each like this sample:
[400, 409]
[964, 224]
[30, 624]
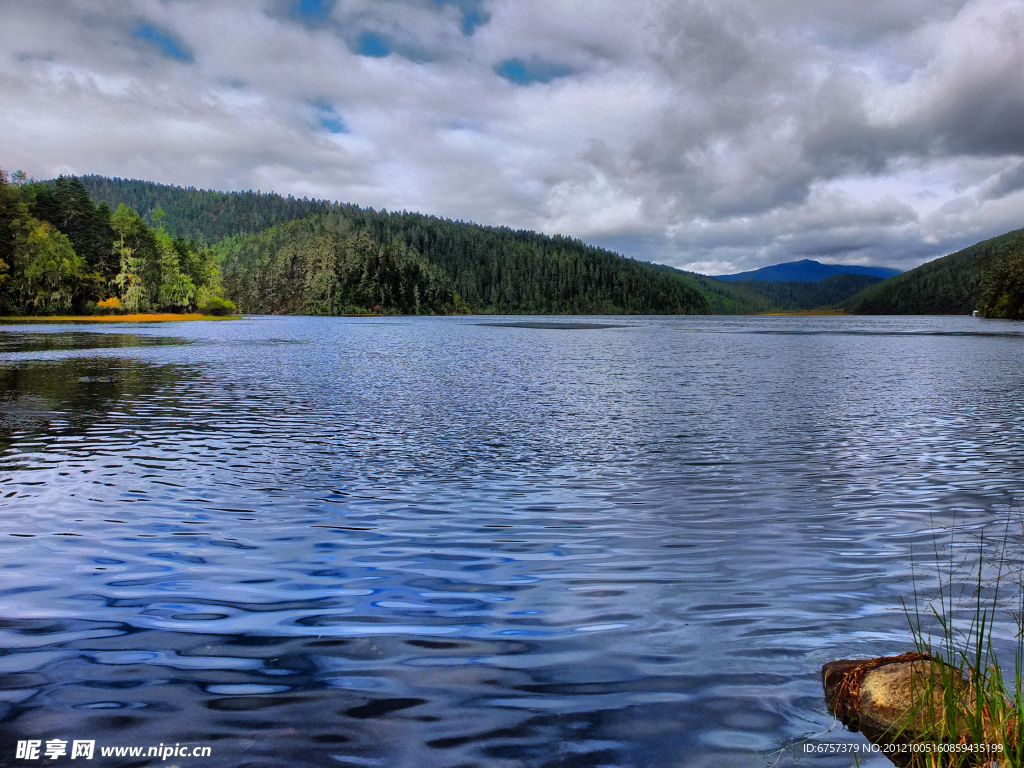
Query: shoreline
[800, 312]
[157, 317]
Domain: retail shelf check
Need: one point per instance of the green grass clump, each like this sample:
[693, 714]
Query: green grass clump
[971, 706]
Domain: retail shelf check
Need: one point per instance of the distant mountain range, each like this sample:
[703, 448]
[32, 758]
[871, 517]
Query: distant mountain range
[805, 271]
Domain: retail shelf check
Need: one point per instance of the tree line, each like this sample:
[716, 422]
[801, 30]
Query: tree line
[356, 260]
[956, 284]
[1003, 290]
[401, 257]
[202, 215]
[62, 253]
[283, 254]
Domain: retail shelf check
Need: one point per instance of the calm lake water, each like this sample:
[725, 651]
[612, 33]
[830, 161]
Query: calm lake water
[432, 542]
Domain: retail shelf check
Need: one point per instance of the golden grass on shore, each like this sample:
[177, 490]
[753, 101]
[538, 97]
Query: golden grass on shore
[156, 317]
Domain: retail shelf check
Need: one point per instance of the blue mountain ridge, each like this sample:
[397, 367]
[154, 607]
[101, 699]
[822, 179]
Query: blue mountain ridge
[806, 271]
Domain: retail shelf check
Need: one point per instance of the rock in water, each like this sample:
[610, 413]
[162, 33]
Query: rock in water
[897, 701]
[842, 681]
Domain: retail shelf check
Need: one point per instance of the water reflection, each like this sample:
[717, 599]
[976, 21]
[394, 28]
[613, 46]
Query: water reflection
[320, 541]
[13, 343]
[68, 397]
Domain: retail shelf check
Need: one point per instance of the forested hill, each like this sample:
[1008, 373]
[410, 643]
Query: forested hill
[355, 260]
[952, 285]
[454, 263]
[274, 249]
[202, 215]
[273, 267]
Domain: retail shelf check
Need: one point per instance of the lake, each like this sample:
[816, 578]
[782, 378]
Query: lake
[480, 541]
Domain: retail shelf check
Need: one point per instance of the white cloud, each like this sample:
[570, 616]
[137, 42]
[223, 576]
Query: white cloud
[720, 136]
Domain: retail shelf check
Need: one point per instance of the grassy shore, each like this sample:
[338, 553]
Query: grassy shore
[156, 317]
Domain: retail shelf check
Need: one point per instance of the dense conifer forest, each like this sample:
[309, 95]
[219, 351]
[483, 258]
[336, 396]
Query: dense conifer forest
[355, 260]
[202, 215]
[60, 253]
[321, 266]
[483, 269]
[1003, 289]
[77, 244]
[952, 285]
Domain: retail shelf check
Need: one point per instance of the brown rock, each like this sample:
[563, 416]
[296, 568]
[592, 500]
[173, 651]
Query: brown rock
[842, 681]
[900, 700]
[907, 702]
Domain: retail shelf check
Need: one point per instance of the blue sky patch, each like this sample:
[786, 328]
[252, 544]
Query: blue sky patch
[472, 19]
[473, 13]
[370, 44]
[328, 118]
[162, 41]
[333, 124]
[523, 72]
[310, 11]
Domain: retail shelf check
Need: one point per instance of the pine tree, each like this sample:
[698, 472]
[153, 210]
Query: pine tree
[177, 291]
[52, 270]
[129, 279]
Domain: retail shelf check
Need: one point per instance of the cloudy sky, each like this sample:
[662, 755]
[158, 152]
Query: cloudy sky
[714, 135]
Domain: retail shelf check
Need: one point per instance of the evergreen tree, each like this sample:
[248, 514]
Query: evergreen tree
[177, 291]
[14, 229]
[59, 251]
[67, 206]
[130, 279]
[12, 214]
[1003, 295]
[52, 270]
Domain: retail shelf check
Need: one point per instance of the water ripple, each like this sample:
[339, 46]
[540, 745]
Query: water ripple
[432, 541]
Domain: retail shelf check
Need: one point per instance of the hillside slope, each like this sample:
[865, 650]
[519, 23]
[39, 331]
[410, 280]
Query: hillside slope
[490, 269]
[202, 215]
[353, 260]
[1003, 291]
[271, 261]
[951, 285]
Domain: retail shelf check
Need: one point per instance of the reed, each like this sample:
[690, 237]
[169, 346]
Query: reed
[970, 709]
